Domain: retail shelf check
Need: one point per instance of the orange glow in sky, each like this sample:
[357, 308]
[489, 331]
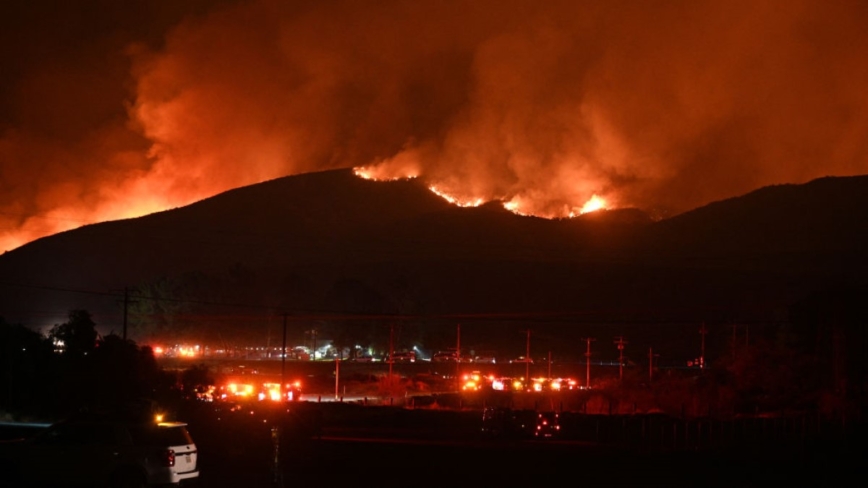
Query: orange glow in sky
[533, 104]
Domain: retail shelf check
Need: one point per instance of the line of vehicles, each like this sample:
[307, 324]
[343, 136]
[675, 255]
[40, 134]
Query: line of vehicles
[447, 356]
[475, 381]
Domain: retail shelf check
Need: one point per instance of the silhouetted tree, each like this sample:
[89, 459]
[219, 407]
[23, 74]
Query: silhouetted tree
[78, 334]
[26, 367]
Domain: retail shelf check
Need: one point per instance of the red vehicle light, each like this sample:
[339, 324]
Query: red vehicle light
[167, 458]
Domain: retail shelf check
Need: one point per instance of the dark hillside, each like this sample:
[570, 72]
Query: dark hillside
[322, 242]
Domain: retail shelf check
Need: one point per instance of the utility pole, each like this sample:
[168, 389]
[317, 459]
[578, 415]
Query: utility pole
[458, 342]
[391, 350]
[126, 306]
[550, 365]
[620, 342]
[337, 377]
[283, 361]
[127, 303]
[588, 362]
[527, 362]
[458, 357]
[702, 331]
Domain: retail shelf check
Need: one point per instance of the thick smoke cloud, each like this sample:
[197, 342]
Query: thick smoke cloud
[121, 109]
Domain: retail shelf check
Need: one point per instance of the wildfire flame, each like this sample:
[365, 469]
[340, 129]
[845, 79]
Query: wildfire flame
[516, 205]
[512, 206]
[381, 173]
[507, 101]
[594, 204]
[455, 200]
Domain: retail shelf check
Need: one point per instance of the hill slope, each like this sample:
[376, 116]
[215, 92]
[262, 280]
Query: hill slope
[329, 242]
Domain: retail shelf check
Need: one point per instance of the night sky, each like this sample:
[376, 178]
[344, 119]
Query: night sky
[117, 109]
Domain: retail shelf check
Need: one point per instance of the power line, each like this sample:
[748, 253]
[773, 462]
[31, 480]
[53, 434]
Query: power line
[307, 314]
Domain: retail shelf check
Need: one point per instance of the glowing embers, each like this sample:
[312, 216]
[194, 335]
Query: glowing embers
[383, 173]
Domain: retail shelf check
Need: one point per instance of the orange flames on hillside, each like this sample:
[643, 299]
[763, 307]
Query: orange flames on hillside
[461, 202]
[592, 205]
[518, 204]
[376, 174]
[529, 104]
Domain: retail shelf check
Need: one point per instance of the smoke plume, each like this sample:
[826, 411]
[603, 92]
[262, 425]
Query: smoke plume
[117, 109]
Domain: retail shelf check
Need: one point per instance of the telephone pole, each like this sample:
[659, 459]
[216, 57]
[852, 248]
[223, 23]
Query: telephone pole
[527, 361]
[127, 303]
[702, 331]
[588, 362]
[550, 366]
[458, 342]
[337, 378]
[620, 342]
[283, 360]
[458, 357]
[391, 350]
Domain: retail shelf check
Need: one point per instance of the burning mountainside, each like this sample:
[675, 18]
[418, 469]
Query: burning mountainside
[552, 108]
[330, 243]
[515, 204]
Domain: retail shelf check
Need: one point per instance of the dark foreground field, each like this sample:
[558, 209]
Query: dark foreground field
[340, 444]
[346, 445]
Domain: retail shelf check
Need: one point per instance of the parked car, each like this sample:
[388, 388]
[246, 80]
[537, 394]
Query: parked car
[522, 360]
[404, 357]
[445, 356]
[103, 450]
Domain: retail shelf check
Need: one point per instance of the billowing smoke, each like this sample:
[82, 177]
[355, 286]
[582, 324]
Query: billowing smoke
[117, 112]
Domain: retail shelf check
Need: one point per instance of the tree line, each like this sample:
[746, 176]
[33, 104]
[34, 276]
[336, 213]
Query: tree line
[74, 368]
